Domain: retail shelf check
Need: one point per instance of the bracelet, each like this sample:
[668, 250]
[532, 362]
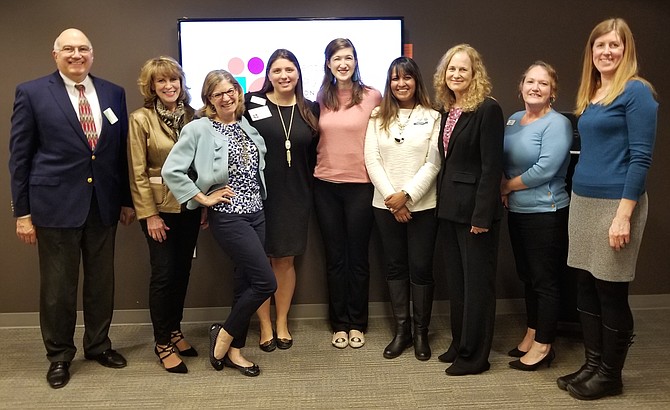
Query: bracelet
[407, 197]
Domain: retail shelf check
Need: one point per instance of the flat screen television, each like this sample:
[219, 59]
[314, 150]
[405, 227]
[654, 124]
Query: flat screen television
[242, 47]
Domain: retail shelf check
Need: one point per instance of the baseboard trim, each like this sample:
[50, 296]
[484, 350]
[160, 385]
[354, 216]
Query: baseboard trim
[305, 311]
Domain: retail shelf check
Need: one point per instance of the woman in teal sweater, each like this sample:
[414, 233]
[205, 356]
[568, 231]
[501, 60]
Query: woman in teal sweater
[617, 123]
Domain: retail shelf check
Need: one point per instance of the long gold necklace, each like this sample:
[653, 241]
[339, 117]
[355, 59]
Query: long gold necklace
[287, 133]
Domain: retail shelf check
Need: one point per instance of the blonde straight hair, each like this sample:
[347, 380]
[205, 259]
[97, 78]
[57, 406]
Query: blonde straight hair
[627, 70]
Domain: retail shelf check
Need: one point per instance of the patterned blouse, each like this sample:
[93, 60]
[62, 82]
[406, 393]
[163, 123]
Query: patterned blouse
[242, 171]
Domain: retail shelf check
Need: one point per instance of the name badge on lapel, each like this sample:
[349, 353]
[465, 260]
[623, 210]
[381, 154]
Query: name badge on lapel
[111, 117]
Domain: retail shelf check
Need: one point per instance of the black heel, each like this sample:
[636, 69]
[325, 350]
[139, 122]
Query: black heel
[214, 330]
[516, 352]
[177, 336]
[517, 364]
[170, 350]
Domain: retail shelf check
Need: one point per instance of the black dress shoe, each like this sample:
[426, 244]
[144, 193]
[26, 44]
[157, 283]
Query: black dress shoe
[251, 371]
[519, 365]
[516, 353]
[109, 358]
[58, 374]
[214, 330]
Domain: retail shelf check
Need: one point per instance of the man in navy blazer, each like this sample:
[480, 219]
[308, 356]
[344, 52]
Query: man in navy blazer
[67, 197]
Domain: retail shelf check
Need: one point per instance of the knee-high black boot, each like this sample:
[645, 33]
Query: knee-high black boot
[606, 381]
[592, 331]
[399, 292]
[422, 296]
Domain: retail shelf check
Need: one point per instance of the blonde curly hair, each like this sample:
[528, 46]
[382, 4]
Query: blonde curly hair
[480, 86]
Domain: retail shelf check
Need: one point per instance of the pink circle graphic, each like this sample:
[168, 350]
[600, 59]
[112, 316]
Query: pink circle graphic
[235, 66]
[256, 65]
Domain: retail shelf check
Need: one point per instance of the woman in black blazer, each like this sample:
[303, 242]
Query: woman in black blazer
[469, 207]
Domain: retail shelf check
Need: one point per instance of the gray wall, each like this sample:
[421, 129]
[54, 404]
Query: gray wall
[509, 34]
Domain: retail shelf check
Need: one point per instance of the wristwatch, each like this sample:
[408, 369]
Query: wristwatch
[407, 197]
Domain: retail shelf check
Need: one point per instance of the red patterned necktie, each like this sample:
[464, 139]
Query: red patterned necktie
[86, 117]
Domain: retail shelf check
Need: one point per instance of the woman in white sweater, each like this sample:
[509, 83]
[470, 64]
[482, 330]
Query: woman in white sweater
[402, 160]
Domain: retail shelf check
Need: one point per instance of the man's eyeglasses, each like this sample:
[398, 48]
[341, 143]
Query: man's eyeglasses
[70, 50]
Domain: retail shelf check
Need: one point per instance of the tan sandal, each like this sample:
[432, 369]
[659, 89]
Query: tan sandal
[356, 338]
[340, 340]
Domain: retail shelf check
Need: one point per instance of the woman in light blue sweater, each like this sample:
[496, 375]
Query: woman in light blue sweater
[227, 156]
[537, 154]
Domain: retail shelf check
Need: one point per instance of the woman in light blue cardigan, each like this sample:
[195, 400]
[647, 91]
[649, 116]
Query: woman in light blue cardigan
[537, 155]
[218, 163]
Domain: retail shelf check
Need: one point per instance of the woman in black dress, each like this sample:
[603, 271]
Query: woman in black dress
[288, 124]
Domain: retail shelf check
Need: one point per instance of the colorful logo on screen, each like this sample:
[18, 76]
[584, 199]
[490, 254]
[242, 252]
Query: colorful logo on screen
[250, 75]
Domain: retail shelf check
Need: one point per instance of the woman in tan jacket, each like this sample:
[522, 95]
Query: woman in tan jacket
[171, 230]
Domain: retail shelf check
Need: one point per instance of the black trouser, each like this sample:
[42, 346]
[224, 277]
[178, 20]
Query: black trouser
[242, 237]
[344, 212]
[60, 250]
[540, 245]
[170, 271]
[470, 263]
[408, 247]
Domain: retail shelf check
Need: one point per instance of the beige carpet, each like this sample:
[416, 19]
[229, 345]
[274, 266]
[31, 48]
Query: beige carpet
[313, 374]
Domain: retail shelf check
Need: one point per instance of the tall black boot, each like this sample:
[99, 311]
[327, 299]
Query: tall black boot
[606, 381]
[592, 331]
[422, 296]
[399, 292]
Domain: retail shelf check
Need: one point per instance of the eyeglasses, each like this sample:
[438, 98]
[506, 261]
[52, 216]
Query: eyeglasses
[70, 50]
[399, 140]
[230, 93]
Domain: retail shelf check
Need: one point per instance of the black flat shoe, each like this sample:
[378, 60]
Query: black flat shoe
[516, 353]
[456, 370]
[109, 358]
[177, 336]
[269, 345]
[163, 352]
[284, 343]
[251, 371]
[449, 356]
[517, 364]
[58, 374]
[217, 364]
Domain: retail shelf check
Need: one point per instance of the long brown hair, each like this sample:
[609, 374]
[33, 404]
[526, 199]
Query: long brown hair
[388, 109]
[304, 110]
[627, 69]
[328, 92]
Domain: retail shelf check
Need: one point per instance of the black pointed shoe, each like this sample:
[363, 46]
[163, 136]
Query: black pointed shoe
[519, 365]
[177, 336]
[163, 352]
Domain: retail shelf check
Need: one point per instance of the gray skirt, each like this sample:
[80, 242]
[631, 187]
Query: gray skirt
[588, 227]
